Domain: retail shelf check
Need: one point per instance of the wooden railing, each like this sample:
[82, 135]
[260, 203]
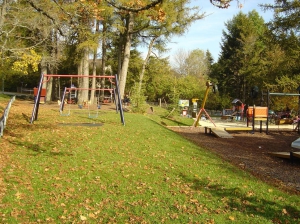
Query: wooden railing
[4, 117]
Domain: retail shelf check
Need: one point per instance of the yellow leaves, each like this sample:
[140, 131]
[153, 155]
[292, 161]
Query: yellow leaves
[26, 59]
[18, 195]
[157, 13]
[55, 150]
[93, 216]
[18, 212]
[136, 3]
[231, 218]
[83, 218]
[250, 194]
[284, 212]
[174, 216]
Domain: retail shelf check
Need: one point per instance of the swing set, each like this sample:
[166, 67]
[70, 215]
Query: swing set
[85, 104]
[116, 91]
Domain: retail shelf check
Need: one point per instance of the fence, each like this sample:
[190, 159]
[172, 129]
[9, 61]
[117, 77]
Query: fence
[4, 117]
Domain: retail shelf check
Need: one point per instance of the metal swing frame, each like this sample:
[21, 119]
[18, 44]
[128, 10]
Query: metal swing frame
[62, 105]
[34, 115]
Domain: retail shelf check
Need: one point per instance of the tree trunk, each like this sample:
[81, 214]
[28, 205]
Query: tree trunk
[46, 85]
[103, 58]
[44, 71]
[80, 72]
[92, 98]
[83, 69]
[85, 81]
[126, 58]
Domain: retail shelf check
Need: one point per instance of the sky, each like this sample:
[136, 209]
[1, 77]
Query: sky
[206, 34]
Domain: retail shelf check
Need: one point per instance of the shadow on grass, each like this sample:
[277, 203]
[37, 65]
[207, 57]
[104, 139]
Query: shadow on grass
[37, 149]
[247, 202]
[26, 117]
[170, 121]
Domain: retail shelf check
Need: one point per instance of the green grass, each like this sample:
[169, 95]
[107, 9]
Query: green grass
[138, 173]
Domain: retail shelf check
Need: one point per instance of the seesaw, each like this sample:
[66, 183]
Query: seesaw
[296, 144]
[238, 128]
[285, 155]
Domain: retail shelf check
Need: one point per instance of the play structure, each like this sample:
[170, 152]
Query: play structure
[292, 155]
[255, 113]
[268, 94]
[286, 155]
[289, 155]
[87, 104]
[202, 109]
[39, 97]
[219, 132]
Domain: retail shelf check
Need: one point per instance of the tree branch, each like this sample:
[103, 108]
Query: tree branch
[134, 9]
[47, 15]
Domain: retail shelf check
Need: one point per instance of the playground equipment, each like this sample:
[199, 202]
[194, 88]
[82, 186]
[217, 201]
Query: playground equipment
[62, 103]
[286, 155]
[219, 132]
[35, 110]
[257, 114]
[70, 101]
[195, 105]
[208, 84]
[289, 155]
[283, 94]
[42, 94]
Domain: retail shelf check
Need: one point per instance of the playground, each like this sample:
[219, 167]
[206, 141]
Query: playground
[246, 149]
[251, 151]
[78, 173]
[269, 151]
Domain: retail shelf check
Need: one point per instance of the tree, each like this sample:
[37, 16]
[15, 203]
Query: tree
[286, 15]
[19, 28]
[284, 30]
[241, 60]
[194, 63]
[284, 33]
[128, 12]
[157, 21]
[159, 79]
[174, 19]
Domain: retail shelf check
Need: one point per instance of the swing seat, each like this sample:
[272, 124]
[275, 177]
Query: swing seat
[93, 116]
[64, 115]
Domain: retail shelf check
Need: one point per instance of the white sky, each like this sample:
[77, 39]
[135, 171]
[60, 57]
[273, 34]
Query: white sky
[206, 34]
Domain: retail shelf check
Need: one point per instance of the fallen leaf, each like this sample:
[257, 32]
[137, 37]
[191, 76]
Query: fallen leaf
[284, 211]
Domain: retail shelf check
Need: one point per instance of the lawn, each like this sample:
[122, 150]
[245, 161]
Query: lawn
[142, 172]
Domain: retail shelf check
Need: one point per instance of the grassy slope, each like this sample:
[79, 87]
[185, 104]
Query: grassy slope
[140, 172]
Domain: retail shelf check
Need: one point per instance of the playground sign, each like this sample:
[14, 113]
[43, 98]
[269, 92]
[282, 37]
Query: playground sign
[184, 103]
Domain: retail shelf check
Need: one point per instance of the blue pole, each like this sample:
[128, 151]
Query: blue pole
[119, 101]
[35, 110]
